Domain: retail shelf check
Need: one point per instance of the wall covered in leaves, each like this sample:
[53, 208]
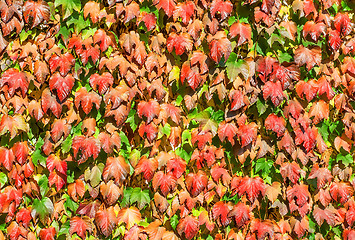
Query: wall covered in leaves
[170, 119]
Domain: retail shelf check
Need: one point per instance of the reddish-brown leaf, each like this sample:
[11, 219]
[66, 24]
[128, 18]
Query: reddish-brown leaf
[36, 12]
[188, 226]
[165, 182]
[14, 79]
[116, 168]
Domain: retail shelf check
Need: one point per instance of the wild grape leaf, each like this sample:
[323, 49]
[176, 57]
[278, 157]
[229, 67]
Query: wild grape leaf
[290, 29]
[49, 101]
[103, 81]
[219, 46]
[252, 187]
[192, 76]
[42, 208]
[348, 65]
[314, 30]
[149, 130]
[310, 56]
[343, 23]
[92, 8]
[104, 39]
[54, 162]
[176, 166]
[181, 43]
[109, 142]
[64, 62]
[110, 192]
[169, 110]
[291, 171]
[106, 220]
[276, 124]
[224, 8]
[188, 226]
[273, 90]
[342, 190]
[13, 124]
[227, 130]
[334, 40]
[241, 213]
[16, 231]
[320, 111]
[139, 196]
[7, 158]
[299, 198]
[68, 6]
[167, 5]
[147, 166]
[247, 133]
[129, 216]
[47, 233]
[262, 228]
[323, 175]
[116, 168]
[24, 216]
[58, 179]
[242, 31]
[76, 189]
[36, 11]
[80, 225]
[149, 109]
[220, 212]
[329, 214]
[149, 20]
[88, 147]
[184, 10]
[196, 182]
[87, 100]
[165, 182]
[14, 79]
[21, 151]
[63, 85]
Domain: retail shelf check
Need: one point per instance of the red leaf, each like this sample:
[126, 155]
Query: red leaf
[76, 188]
[24, 216]
[248, 133]
[219, 46]
[196, 182]
[80, 225]
[92, 8]
[149, 109]
[86, 100]
[7, 158]
[15, 80]
[309, 89]
[106, 220]
[309, 56]
[60, 128]
[323, 87]
[348, 65]
[242, 30]
[184, 10]
[241, 214]
[64, 62]
[221, 212]
[291, 171]
[104, 82]
[343, 23]
[47, 233]
[165, 182]
[63, 85]
[109, 142]
[36, 11]
[189, 226]
[13, 124]
[276, 124]
[342, 190]
[320, 111]
[130, 216]
[181, 43]
[167, 5]
[147, 166]
[274, 91]
[104, 39]
[224, 8]
[176, 166]
[149, 20]
[299, 198]
[116, 168]
[192, 75]
[328, 214]
[227, 130]
[334, 40]
[21, 151]
[262, 229]
[49, 101]
[314, 30]
[54, 162]
[150, 130]
[169, 110]
[252, 187]
[89, 147]
[323, 176]
[58, 179]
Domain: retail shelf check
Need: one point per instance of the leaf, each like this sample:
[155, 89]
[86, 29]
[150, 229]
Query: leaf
[149, 109]
[68, 6]
[323, 175]
[188, 226]
[42, 208]
[88, 147]
[185, 11]
[47, 233]
[167, 5]
[129, 216]
[242, 30]
[221, 212]
[116, 168]
[273, 90]
[15, 80]
[219, 46]
[227, 130]
[165, 182]
[36, 11]
[342, 190]
[309, 56]
[86, 100]
[80, 225]
[106, 220]
[92, 8]
[342, 23]
[224, 8]
[141, 197]
[196, 182]
[276, 124]
[237, 67]
[314, 30]
[63, 85]
[181, 43]
[13, 125]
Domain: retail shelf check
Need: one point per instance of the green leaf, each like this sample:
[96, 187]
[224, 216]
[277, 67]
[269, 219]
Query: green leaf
[70, 204]
[236, 66]
[37, 155]
[126, 197]
[78, 21]
[3, 179]
[263, 165]
[165, 130]
[261, 106]
[64, 229]
[43, 185]
[68, 6]
[42, 208]
[345, 159]
[132, 119]
[174, 221]
[140, 197]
